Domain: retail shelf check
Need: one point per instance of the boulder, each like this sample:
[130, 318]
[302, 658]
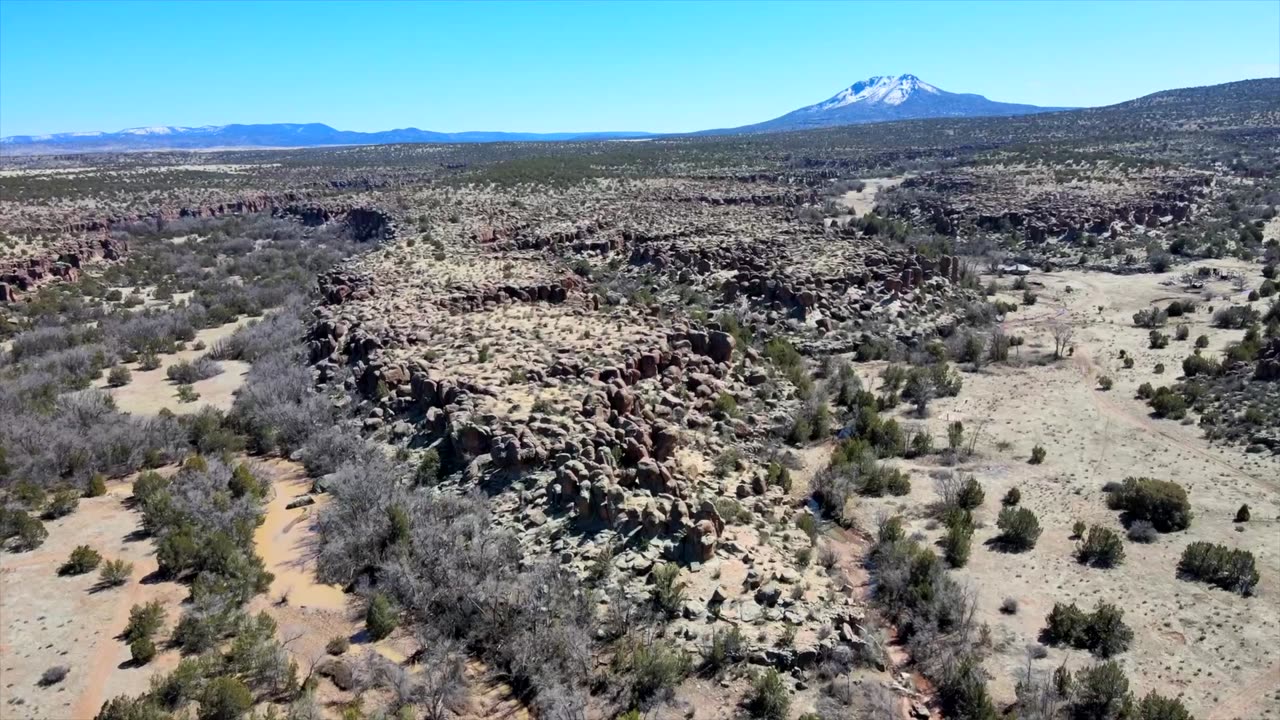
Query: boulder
[720, 346]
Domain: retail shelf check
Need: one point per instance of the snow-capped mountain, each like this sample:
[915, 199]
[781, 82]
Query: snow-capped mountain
[286, 135]
[170, 130]
[885, 89]
[889, 97]
[876, 99]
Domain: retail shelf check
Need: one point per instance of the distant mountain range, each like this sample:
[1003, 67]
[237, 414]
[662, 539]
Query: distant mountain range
[288, 135]
[884, 98]
[876, 99]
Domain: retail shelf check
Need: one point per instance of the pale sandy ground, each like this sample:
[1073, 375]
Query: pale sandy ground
[50, 620]
[309, 613]
[1271, 231]
[861, 203]
[1220, 652]
[151, 390]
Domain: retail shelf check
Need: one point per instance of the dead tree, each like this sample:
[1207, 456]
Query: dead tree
[1062, 333]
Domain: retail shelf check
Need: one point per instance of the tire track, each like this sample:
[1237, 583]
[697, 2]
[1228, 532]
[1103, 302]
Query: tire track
[1246, 699]
[105, 657]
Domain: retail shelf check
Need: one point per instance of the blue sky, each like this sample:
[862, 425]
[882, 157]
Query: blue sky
[662, 67]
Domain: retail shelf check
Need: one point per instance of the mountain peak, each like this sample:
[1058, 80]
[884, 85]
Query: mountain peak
[884, 98]
[880, 89]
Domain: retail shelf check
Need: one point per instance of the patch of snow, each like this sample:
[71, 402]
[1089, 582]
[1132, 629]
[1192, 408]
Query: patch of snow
[882, 89]
[156, 130]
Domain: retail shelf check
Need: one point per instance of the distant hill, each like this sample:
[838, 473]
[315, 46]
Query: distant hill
[288, 135]
[855, 112]
[885, 98]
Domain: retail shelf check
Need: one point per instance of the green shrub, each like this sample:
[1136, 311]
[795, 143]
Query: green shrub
[82, 560]
[808, 524]
[97, 486]
[1150, 318]
[1101, 548]
[1236, 317]
[115, 573]
[727, 462]
[1242, 515]
[123, 707]
[187, 394]
[962, 692]
[63, 502]
[1105, 382]
[1158, 340]
[1168, 404]
[144, 621]
[244, 483]
[727, 646]
[1102, 632]
[197, 633]
[177, 552]
[119, 376]
[428, 470]
[1162, 503]
[921, 444]
[1019, 528]
[1182, 332]
[971, 494]
[891, 530]
[651, 667]
[28, 532]
[897, 482]
[1198, 365]
[224, 698]
[779, 476]
[1101, 692]
[380, 618]
[1220, 565]
[142, 650]
[769, 699]
[1106, 634]
[803, 557]
[337, 645]
[726, 404]
[1037, 455]
[1158, 707]
[956, 544]
[668, 590]
[182, 685]
[1065, 625]
[800, 432]
[147, 486]
[1012, 498]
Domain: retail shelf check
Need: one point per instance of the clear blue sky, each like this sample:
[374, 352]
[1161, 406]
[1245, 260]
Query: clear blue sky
[68, 66]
